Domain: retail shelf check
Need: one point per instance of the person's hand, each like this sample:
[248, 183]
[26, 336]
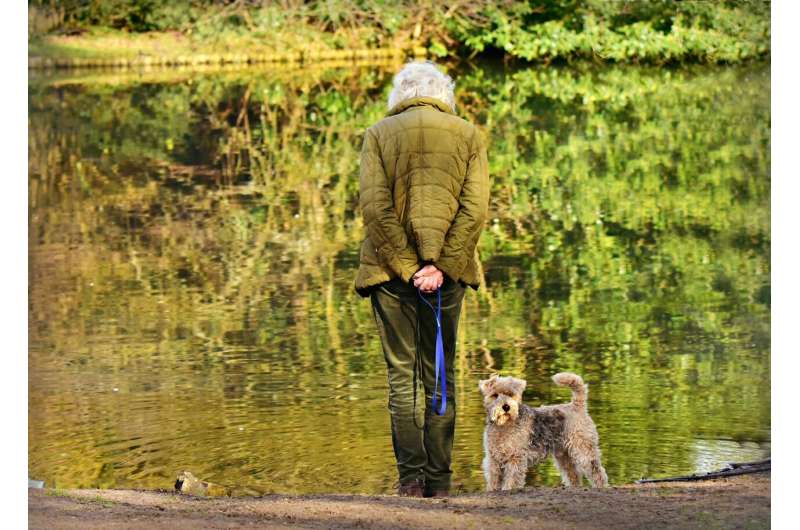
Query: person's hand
[428, 279]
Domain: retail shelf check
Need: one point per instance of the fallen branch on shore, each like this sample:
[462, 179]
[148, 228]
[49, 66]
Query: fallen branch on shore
[731, 470]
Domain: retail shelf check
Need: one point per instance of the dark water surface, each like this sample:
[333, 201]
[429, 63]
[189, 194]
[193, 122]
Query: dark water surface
[193, 240]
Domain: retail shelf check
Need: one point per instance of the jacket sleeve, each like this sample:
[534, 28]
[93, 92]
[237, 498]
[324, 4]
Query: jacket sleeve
[462, 236]
[380, 217]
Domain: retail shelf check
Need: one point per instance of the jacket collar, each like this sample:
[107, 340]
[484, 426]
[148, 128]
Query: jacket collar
[420, 102]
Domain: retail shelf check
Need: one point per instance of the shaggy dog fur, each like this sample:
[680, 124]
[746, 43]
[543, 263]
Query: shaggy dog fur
[518, 436]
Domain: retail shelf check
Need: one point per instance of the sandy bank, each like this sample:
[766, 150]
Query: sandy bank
[740, 502]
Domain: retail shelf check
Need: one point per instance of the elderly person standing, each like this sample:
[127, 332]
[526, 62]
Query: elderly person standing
[424, 194]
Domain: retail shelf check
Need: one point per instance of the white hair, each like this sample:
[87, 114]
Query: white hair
[422, 79]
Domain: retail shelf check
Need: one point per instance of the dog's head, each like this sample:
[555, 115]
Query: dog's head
[502, 397]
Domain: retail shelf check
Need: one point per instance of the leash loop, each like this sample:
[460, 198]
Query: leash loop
[440, 362]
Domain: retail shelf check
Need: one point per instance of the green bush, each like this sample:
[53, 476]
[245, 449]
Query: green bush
[621, 31]
[610, 30]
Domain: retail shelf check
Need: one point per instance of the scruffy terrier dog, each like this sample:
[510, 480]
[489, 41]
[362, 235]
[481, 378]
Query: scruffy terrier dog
[518, 436]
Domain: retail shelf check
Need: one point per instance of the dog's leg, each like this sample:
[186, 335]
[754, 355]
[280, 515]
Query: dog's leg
[514, 473]
[598, 476]
[565, 465]
[493, 473]
[585, 455]
[587, 460]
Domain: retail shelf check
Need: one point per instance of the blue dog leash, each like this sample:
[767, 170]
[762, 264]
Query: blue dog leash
[440, 363]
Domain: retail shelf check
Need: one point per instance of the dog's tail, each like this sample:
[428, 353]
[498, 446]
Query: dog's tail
[579, 390]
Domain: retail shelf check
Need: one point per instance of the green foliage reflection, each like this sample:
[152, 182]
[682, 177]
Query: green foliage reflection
[193, 243]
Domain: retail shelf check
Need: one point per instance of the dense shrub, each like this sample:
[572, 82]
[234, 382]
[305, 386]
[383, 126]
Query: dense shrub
[613, 30]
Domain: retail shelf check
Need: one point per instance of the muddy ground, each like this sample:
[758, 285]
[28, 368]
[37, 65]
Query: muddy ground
[738, 502]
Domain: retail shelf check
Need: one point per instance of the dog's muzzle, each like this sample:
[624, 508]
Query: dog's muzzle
[499, 414]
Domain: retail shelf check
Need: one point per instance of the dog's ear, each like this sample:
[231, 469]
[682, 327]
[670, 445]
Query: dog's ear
[486, 384]
[518, 385]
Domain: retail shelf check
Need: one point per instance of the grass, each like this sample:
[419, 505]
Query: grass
[97, 499]
[115, 44]
[101, 44]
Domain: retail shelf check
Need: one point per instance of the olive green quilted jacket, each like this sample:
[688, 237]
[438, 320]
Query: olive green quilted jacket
[424, 194]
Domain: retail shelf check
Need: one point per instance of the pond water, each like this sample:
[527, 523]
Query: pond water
[193, 241]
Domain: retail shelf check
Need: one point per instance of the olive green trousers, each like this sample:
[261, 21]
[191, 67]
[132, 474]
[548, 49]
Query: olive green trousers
[422, 440]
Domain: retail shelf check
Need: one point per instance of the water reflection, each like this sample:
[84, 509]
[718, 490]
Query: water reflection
[193, 239]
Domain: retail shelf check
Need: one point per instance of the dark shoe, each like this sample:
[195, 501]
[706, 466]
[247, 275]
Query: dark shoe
[437, 493]
[411, 489]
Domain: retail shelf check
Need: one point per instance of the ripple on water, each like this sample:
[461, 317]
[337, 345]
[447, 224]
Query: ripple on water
[191, 307]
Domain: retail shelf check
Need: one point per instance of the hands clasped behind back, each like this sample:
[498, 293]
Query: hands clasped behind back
[428, 279]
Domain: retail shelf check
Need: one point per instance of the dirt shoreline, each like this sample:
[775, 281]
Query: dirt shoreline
[739, 502]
